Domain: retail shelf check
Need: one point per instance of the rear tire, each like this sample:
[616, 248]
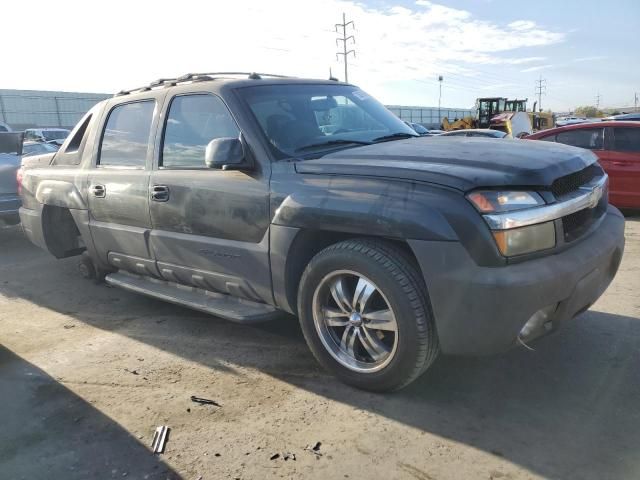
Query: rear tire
[86, 267]
[365, 315]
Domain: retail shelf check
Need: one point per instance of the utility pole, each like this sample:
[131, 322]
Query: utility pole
[439, 100]
[598, 101]
[541, 87]
[344, 39]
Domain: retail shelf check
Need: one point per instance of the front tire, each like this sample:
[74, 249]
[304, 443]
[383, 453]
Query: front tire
[365, 315]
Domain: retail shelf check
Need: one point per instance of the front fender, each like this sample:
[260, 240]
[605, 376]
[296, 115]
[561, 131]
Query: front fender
[369, 207]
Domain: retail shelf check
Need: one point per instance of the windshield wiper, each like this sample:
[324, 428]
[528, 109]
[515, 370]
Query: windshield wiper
[394, 136]
[330, 143]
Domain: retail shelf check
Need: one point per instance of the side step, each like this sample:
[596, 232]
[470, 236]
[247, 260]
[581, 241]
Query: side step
[225, 306]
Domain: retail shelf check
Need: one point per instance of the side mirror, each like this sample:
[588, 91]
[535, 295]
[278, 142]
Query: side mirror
[226, 153]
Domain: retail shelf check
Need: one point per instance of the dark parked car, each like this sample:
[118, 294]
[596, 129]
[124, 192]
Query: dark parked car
[422, 130]
[625, 117]
[476, 132]
[10, 151]
[233, 196]
[617, 145]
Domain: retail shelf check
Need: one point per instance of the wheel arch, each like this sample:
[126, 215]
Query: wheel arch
[293, 249]
[60, 231]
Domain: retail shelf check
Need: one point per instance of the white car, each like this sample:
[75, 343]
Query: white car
[46, 135]
[561, 122]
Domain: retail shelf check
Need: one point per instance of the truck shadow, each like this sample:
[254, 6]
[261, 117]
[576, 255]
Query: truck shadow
[50, 432]
[568, 410]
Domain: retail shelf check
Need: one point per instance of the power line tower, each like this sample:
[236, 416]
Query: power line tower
[541, 87]
[345, 39]
[440, 98]
[635, 101]
[598, 96]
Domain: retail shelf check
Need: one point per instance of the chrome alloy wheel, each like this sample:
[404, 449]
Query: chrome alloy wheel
[355, 321]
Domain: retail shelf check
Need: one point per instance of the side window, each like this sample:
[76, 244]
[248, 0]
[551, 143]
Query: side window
[193, 121]
[549, 138]
[591, 138]
[70, 154]
[125, 139]
[76, 140]
[626, 139]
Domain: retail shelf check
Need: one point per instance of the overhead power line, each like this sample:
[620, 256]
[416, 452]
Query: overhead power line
[345, 39]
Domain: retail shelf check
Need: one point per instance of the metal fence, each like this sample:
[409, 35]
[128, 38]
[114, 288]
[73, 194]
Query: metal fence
[22, 109]
[430, 117]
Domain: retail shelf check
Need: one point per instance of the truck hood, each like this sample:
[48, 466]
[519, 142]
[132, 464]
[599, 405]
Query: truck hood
[460, 163]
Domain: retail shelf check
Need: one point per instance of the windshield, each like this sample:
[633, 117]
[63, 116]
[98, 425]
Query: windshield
[316, 118]
[55, 134]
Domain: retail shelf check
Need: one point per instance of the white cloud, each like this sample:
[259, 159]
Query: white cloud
[536, 68]
[108, 50]
[522, 25]
[497, 86]
[589, 59]
[520, 61]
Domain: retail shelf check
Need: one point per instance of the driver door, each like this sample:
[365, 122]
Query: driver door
[209, 227]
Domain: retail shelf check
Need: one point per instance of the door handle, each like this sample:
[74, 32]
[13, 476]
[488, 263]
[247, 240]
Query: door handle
[98, 191]
[160, 193]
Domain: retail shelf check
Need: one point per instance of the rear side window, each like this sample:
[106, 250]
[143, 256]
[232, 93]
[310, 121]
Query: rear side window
[549, 138]
[75, 142]
[125, 140]
[193, 121]
[591, 138]
[626, 139]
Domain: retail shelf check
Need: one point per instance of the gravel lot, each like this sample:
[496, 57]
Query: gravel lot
[87, 372]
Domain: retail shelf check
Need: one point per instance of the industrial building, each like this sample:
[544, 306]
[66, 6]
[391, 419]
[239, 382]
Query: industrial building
[22, 109]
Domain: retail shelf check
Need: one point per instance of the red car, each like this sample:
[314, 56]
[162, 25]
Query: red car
[617, 145]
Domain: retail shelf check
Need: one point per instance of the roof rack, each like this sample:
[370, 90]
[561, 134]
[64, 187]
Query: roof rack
[197, 77]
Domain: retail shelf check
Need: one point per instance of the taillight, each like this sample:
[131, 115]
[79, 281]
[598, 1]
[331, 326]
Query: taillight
[19, 180]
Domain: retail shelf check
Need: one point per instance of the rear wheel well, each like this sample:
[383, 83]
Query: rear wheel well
[308, 243]
[61, 233]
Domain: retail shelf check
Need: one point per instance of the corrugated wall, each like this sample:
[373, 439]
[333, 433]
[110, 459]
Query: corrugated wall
[22, 109]
[430, 117]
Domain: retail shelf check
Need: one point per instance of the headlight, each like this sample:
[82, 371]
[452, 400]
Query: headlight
[515, 241]
[495, 201]
[518, 241]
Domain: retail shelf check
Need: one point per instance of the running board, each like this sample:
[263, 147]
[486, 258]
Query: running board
[220, 305]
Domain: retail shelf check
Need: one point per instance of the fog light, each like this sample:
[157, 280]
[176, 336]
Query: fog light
[537, 320]
[518, 241]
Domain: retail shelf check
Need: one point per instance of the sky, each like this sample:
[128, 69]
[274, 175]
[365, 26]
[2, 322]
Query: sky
[581, 49]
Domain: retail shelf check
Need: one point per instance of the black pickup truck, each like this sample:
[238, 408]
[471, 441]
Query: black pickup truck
[247, 195]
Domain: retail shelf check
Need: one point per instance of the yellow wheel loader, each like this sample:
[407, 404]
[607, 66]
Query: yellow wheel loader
[497, 113]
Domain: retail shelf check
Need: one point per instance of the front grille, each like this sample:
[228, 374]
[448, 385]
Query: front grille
[570, 183]
[578, 223]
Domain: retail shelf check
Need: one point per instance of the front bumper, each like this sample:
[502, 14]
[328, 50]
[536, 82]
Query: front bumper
[9, 205]
[481, 310]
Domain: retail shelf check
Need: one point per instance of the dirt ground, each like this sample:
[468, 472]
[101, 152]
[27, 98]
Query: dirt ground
[87, 372]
